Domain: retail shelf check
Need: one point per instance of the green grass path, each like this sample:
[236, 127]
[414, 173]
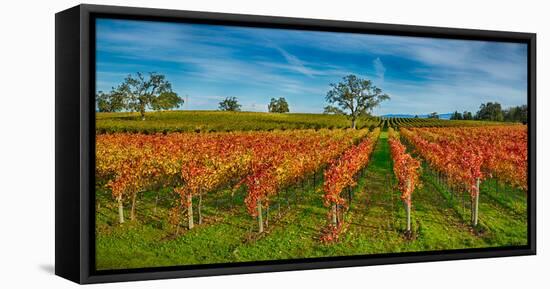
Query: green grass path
[377, 216]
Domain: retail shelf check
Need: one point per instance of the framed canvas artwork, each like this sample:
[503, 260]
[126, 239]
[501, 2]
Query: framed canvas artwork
[194, 143]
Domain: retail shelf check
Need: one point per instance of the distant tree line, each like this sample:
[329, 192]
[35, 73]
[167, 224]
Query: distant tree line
[279, 105]
[142, 92]
[493, 111]
[466, 115]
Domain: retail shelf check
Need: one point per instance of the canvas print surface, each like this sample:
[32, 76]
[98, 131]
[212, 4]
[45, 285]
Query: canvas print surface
[224, 144]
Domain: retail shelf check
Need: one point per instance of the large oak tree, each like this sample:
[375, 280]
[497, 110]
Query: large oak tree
[230, 104]
[279, 105]
[140, 93]
[355, 96]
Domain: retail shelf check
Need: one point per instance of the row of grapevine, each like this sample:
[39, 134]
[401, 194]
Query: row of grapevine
[460, 162]
[196, 164]
[408, 122]
[340, 175]
[467, 156]
[406, 170]
[275, 167]
[504, 149]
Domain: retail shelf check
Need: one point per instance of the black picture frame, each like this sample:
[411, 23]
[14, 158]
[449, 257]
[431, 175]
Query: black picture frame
[75, 142]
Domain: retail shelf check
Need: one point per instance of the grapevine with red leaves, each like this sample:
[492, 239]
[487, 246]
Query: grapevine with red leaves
[406, 170]
[341, 175]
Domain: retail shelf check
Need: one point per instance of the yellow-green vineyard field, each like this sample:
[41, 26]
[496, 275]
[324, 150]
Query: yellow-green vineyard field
[220, 121]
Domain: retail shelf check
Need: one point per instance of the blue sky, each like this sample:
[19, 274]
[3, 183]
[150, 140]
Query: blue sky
[207, 63]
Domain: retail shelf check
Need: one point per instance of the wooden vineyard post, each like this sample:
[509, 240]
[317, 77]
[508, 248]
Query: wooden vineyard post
[472, 201]
[120, 211]
[408, 209]
[338, 214]
[133, 209]
[267, 216]
[334, 215]
[260, 218]
[199, 209]
[476, 204]
[156, 202]
[190, 212]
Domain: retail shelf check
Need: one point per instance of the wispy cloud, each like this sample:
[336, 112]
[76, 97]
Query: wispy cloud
[295, 63]
[379, 69]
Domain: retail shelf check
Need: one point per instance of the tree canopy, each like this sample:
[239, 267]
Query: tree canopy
[278, 105]
[139, 93]
[456, 116]
[230, 104]
[516, 114]
[490, 111]
[355, 97]
[466, 115]
[493, 111]
[109, 102]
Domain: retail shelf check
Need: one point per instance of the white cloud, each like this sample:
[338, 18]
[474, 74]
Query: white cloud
[295, 63]
[379, 69]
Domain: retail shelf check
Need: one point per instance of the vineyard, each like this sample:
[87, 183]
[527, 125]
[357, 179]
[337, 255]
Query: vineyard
[399, 122]
[173, 195]
[221, 121]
